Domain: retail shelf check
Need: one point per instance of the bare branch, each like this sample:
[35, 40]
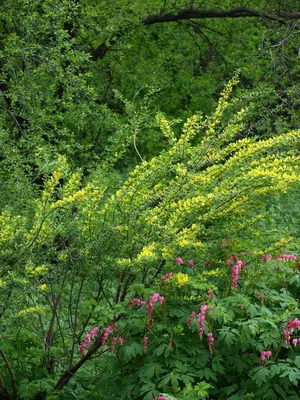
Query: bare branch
[238, 12]
[192, 13]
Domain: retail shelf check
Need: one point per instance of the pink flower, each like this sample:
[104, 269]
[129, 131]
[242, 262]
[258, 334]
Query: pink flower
[207, 263]
[88, 338]
[153, 299]
[137, 302]
[232, 259]
[160, 398]
[287, 337]
[145, 344]
[113, 343]
[293, 325]
[266, 257]
[287, 257]
[211, 340]
[191, 264]
[121, 340]
[179, 260]
[235, 272]
[106, 333]
[192, 316]
[264, 355]
[210, 293]
[262, 298]
[167, 276]
[94, 331]
[296, 341]
[201, 318]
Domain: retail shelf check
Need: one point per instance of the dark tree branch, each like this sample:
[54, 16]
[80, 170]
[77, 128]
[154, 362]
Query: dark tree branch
[238, 12]
[192, 13]
[12, 377]
[67, 375]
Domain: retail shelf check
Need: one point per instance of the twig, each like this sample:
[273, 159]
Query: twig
[12, 377]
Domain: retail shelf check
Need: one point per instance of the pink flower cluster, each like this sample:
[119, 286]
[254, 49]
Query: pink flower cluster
[287, 257]
[88, 338]
[114, 341]
[167, 276]
[153, 299]
[190, 320]
[210, 293]
[136, 301]
[191, 264]
[296, 341]
[235, 272]
[264, 355]
[223, 244]
[211, 340]
[232, 259]
[292, 326]
[266, 257]
[106, 333]
[201, 318]
[207, 263]
[287, 337]
[145, 343]
[261, 297]
[179, 260]
[160, 398]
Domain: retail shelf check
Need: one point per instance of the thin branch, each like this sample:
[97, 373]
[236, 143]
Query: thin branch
[192, 13]
[238, 12]
[75, 319]
[12, 377]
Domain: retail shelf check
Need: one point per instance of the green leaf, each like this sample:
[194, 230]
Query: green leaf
[160, 349]
[202, 389]
[280, 390]
[227, 336]
[149, 370]
[297, 361]
[261, 375]
[209, 374]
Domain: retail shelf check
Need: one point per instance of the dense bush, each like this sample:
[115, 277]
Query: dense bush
[86, 262]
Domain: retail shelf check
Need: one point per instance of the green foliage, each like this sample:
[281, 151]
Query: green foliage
[104, 185]
[77, 253]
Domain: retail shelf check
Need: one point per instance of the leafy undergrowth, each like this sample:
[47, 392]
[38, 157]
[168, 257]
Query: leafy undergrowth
[224, 330]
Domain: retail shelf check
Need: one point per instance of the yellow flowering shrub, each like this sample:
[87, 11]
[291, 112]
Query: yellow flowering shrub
[86, 250]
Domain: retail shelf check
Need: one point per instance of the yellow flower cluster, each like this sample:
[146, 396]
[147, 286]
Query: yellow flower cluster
[147, 253]
[179, 279]
[9, 226]
[35, 272]
[43, 287]
[30, 310]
